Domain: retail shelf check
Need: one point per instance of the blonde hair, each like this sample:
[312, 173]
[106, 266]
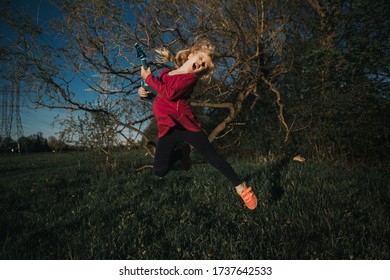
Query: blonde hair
[164, 55]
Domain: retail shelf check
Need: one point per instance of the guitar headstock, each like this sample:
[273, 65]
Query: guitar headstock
[140, 52]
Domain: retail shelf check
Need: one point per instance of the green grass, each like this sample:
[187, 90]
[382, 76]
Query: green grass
[62, 207]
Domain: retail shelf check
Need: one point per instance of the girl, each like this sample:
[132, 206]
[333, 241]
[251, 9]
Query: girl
[175, 120]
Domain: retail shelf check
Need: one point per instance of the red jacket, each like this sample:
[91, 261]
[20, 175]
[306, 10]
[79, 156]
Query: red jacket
[171, 105]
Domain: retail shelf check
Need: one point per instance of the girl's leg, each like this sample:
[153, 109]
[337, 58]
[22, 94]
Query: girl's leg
[166, 155]
[202, 145]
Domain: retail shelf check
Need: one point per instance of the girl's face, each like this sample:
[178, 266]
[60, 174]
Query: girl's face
[197, 62]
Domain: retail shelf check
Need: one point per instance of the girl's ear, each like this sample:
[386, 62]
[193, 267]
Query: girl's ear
[190, 55]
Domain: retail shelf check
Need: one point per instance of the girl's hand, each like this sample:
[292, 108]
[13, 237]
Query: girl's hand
[143, 92]
[145, 73]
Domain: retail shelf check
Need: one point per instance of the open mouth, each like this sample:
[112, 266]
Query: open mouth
[197, 66]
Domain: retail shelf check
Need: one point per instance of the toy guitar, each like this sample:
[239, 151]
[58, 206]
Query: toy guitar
[141, 55]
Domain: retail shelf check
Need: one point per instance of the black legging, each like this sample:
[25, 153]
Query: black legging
[166, 154]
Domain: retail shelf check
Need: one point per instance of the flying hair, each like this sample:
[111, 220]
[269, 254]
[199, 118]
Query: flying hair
[204, 45]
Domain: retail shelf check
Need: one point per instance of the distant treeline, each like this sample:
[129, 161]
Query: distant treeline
[36, 143]
[30, 144]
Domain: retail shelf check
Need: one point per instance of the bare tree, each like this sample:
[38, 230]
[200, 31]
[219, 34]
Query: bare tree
[92, 46]
[249, 36]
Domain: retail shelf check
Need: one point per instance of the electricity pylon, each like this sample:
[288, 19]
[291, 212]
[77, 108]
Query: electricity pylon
[11, 122]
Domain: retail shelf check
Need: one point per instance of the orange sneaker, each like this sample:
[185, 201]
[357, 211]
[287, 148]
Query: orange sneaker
[249, 197]
[185, 162]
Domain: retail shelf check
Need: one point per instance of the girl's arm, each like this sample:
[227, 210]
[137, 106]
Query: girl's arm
[183, 85]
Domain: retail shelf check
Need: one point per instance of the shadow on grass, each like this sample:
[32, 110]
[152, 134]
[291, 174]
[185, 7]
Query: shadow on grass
[271, 177]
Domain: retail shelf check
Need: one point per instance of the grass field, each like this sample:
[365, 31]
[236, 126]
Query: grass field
[60, 206]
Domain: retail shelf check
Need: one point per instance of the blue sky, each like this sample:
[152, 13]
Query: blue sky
[37, 120]
[33, 120]
[41, 120]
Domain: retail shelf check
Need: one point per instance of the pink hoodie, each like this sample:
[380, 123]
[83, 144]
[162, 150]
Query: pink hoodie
[171, 105]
